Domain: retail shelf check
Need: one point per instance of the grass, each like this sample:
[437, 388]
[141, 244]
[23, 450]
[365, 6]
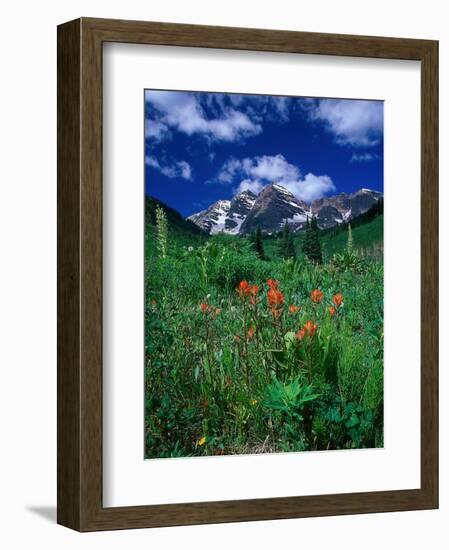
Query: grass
[235, 364]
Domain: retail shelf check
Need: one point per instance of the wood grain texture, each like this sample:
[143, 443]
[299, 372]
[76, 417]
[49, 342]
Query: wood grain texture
[429, 271]
[69, 407]
[80, 274]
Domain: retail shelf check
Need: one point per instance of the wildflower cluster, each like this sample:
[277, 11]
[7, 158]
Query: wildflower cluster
[248, 292]
[316, 296]
[337, 300]
[276, 304]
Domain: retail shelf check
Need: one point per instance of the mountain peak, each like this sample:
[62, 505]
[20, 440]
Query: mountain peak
[245, 193]
[366, 190]
[275, 205]
[224, 216]
[278, 188]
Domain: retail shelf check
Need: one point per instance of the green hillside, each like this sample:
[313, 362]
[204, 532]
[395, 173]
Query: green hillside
[181, 232]
[175, 221]
[367, 238]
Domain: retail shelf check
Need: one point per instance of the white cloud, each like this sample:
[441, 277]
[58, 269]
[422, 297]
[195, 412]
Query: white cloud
[311, 187]
[255, 173]
[358, 123]
[156, 130]
[229, 170]
[281, 105]
[273, 168]
[183, 111]
[177, 169]
[257, 107]
[186, 170]
[269, 168]
[255, 186]
[362, 157]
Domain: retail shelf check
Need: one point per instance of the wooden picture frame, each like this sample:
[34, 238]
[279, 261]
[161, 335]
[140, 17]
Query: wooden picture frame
[80, 504]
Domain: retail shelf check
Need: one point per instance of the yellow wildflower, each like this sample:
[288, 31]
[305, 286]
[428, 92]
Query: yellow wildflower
[253, 402]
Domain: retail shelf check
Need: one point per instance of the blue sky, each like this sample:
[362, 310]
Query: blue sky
[201, 147]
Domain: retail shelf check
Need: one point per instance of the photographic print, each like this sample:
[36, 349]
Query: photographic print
[263, 274]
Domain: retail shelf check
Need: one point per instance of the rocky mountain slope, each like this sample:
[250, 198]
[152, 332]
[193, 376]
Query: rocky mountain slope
[225, 216]
[275, 205]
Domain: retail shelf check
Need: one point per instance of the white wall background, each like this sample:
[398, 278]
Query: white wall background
[28, 273]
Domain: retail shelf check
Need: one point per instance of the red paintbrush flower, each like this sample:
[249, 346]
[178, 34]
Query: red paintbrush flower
[309, 329]
[275, 298]
[338, 299]
[273, 284]
[243, 289]
[275, 302]
[253, 291]
[316, 296]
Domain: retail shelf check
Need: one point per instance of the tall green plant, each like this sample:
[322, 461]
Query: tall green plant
[350, 244]
[162, 232]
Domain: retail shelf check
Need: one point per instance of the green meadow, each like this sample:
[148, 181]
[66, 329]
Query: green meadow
[260, 353]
